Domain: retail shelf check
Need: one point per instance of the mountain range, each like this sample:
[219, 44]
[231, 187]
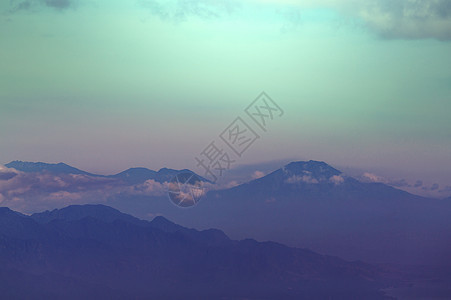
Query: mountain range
[130, 176]
[95, 251]
[312, 204]
[303, 204]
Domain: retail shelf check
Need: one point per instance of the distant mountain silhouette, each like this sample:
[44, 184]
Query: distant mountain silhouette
[165, 225]
[317, 169]
[130, 176]
[139, 175]
[97, 252]
[77, 212]
[313, 179]
[312, 204]
[59, 168]
[303, 204]
[136, 175]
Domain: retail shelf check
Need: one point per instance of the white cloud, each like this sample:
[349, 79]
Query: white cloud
[231, 184]
[370, 177]
[35, 5]
[298, 179]
[36, 191]
[181, 10]
[404, 19]
[337, 179]
[64, 195]
[149, 187]
[257, 175]
[409, 19]
[393, 19]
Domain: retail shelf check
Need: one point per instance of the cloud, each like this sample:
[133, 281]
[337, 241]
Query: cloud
[257, 175]
[337, 179]
[446, 191]
[418, 187]
[4, 169]
[408, 19]
[433, 187]
[299, 179]
[373, 178]
[150, 188]
[390, 19]
[181, 10]
[30, 192]
[370, 177]
[24, 5]
[417, 184]
[231, 184]
[307, 178]
[7, 175]
[34, 5]
[59, 4]
[183, 198]
[64, 195]
[399, 183]
[393, 19]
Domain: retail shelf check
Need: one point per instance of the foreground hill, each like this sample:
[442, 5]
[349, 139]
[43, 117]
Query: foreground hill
[96, 251]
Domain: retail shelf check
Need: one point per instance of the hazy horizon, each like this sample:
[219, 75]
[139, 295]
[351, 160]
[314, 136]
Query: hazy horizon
[243, 173]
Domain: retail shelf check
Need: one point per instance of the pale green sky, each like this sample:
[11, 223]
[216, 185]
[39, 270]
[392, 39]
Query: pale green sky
[106, 85]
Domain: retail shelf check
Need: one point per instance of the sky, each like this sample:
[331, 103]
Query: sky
[108, 85]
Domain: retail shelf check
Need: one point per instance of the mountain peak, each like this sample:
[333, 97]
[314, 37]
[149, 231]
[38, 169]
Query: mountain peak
[167, 171]
[164, 224]
[139, 172]
[58, 168]
[139, 169]
[78, 212]
[315, 169]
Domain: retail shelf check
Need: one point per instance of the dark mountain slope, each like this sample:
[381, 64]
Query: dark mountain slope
[313, 205]
[139, 260]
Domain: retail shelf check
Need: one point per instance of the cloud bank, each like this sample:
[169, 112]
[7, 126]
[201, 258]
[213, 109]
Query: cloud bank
[28, 192]
[181, 10]
[408, 19]
[400, 19]
[33, 5]
[418, 187]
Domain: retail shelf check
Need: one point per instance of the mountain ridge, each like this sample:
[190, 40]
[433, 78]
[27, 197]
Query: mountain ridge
[56, 168]
[133, 175]
[314, 205]
[145, 261]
